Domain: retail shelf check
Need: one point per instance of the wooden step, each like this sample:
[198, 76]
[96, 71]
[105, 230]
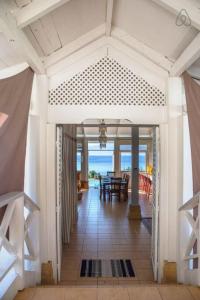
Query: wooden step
[130, 292]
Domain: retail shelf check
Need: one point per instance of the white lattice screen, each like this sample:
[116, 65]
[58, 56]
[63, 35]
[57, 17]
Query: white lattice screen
[106, 83]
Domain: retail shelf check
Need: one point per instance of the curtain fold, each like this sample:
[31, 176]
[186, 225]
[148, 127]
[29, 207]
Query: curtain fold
[69, 193]
[15, 94]
[192, 92]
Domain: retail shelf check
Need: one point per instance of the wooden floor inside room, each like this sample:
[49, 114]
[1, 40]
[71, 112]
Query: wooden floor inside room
[103, 231]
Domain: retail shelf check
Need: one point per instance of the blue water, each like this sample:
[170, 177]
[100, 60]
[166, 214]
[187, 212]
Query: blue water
[102, 164]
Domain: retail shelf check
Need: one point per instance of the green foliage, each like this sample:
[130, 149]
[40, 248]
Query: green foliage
[92, 174]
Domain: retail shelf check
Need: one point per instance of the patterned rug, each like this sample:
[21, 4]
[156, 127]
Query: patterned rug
[148, 224]
[106, 268]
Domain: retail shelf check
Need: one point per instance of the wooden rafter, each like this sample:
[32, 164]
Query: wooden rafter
[109, 14]
[176, 7]
[36, 10]
[141, 48]
[74, 46]
[187, 58]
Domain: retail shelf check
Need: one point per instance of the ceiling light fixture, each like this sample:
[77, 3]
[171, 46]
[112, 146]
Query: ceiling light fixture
[102, 136]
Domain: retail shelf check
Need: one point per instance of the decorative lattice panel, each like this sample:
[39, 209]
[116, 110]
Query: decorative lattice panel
[106, 83]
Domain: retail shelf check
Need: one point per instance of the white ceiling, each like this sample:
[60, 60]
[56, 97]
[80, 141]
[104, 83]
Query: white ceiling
[141, 19]
[8, 55]
[147, 22]
[112, 132]
[65, 24]
[154, 26]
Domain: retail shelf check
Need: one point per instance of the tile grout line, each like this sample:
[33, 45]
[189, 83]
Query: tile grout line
[189, 292]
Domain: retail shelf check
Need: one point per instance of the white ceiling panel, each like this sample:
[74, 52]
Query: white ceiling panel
[46, 35]
[153, 26]
[65, 24]
[112, 132]
[2, 65]
[32, 38]
[77, 17]
[8, 55]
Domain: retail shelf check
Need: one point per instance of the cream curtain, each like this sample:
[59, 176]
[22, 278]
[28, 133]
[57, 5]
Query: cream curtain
[69, 193]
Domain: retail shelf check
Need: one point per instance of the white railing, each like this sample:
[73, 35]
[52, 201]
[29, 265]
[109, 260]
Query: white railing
[189, 264]
[16, 246]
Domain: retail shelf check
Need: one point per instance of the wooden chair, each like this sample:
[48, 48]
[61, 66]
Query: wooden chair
[103, 188]
[115, 188]
[145, 184]
[124, 186]
[148, 187]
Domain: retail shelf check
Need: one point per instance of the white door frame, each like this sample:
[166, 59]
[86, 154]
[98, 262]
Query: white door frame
[155, 201]
[51, 198]
[59, 159]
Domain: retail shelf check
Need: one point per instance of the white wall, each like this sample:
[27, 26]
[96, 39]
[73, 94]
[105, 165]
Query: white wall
[75, 114]
[31, 184]
[175, 102]
[171, 138]
[35, 168]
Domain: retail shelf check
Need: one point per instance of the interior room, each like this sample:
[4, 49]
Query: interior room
[103, 230]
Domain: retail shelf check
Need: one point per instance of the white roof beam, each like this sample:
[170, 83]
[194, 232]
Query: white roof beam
[137, 57]
[187, 58]
[36, 10]
[18, 40]
[74, 46]
[175, 6]
[141, 48]
[109, 13]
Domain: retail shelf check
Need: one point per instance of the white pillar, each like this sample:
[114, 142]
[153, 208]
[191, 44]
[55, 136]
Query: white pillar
[175, 162]
[50, 248]
[117, 157]
[38, 108]
[84, 173]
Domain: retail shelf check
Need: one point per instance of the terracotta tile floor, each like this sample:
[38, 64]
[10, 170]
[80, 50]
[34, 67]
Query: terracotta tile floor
[103, 231]
[154, 292]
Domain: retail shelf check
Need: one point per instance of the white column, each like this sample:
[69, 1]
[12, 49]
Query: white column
[43, 98]
[175, 162]
[135, 166]
[116, 157]
[38, 109]
[84, 175]
[163, 201]
[51, 247]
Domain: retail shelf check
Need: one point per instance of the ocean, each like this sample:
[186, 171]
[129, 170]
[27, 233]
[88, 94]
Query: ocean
[102, 164]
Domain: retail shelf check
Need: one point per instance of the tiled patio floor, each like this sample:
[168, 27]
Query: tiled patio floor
[157, 292]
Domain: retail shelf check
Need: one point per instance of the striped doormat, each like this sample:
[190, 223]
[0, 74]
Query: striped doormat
[106, 268]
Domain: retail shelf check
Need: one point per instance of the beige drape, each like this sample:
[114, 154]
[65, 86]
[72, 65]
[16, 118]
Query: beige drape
[192, 91]
[69, 195]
